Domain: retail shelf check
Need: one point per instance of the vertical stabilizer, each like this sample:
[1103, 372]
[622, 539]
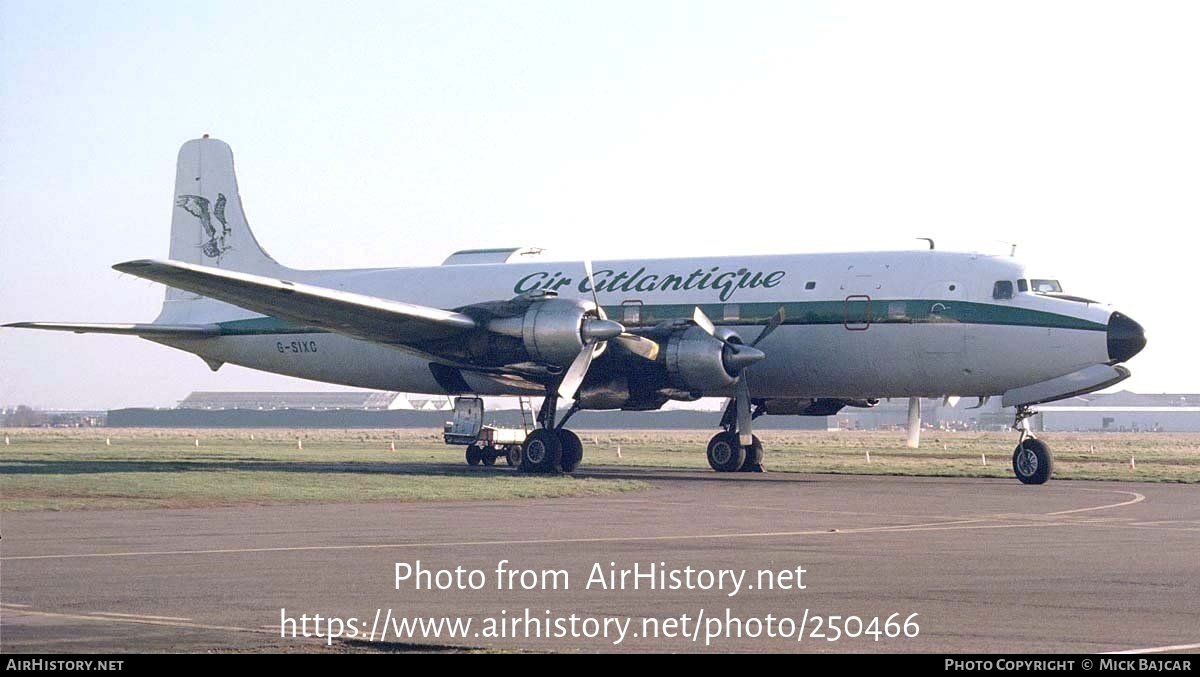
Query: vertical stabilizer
[208, 224]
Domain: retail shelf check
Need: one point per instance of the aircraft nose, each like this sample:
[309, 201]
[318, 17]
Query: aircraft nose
[1126, 338]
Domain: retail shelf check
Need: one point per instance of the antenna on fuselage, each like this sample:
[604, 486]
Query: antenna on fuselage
[929, 240]
[1012, 252]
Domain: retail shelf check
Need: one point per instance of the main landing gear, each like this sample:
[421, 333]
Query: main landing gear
[728, 451]
[550, 448]
[1031, 461]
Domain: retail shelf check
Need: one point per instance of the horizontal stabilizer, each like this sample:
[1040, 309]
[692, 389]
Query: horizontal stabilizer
[146, 330]
[1087, 380]
[358, 315]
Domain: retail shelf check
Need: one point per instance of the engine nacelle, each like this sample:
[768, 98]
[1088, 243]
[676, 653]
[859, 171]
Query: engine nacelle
[697, 362]
[550, 330]
[618, 393]
[821, 406]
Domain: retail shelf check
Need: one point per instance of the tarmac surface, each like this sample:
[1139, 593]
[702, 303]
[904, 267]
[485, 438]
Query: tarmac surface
[987, 565]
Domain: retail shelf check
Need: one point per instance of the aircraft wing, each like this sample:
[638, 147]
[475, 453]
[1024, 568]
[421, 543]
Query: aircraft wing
[144, 330]
[358, 315]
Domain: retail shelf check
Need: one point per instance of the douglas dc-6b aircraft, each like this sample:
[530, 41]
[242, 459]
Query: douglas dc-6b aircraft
[791, 334]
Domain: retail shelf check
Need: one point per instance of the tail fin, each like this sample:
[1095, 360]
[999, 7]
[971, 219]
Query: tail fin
[208, 226]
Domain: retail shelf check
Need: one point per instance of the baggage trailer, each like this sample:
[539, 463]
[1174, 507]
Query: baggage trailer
[485, 443]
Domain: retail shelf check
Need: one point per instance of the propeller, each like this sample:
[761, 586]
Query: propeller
[740, 358]
[595, 330]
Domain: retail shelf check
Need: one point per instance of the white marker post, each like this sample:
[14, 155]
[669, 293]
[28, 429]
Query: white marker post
[299, 442]
[393, 445]
[197, 441]
[618, 451]
[6, 440]
[868, 456]
[983, 457]
[108, 441]
[1132, 463]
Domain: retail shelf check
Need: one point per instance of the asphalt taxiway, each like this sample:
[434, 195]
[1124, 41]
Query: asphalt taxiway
[987, 565]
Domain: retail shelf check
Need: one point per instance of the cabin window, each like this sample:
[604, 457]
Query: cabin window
[1022, 285]
[732, 312]
[1046, 286]
[897, 310]
[1002, 290]
[810, 285]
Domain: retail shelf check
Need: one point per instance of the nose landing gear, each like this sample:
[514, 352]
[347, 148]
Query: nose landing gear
[1032, 462]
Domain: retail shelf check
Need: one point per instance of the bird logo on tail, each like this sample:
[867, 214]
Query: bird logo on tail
[197, 206]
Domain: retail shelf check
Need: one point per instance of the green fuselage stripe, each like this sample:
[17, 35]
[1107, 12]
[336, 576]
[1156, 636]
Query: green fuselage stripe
[854, 313]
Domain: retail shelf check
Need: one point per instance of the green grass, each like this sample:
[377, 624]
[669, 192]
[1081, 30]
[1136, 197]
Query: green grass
[1159, 457]
[71, 470]
[75, 469]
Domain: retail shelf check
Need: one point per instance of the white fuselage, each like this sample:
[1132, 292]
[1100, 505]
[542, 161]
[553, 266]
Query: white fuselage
[857, 325]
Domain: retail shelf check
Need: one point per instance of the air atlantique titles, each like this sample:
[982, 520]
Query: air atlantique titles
[726, 282]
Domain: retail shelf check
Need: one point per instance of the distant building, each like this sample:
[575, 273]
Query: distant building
[1116, 412]
[1124, 411]
[1121, 411]
[27, 417]
[318, 401]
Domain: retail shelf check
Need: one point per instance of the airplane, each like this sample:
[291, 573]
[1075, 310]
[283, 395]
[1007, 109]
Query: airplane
[779, 334]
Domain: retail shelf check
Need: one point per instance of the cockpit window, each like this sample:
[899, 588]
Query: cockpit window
[1003, 289]
[1022, 285]
[1046, 286]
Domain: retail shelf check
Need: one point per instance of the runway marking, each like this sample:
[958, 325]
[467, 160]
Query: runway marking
[1137, 498]
[138, 620]
[153, 618]
[18, 606]
[1158, 649]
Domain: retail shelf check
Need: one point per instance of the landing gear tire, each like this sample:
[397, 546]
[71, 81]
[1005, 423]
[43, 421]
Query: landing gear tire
[754, 457]
[474, 456]
[512, 455]
[724, 452]
[488, 455]
[572, 450]
[542, 452]
[1032, 462]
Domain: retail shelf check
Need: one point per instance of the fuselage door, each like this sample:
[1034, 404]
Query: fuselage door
[856, 312]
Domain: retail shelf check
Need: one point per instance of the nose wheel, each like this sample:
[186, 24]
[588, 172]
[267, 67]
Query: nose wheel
[1032, 462]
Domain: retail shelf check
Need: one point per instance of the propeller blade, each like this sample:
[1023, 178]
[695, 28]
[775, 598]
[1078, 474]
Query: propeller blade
[914, 423]
[638, 345]
[744, 420]
[701, 320]
[772, 325]
[578, 369]
[587, 268]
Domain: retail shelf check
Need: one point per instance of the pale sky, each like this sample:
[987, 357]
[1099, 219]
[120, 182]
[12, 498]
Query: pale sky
[393, 133]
